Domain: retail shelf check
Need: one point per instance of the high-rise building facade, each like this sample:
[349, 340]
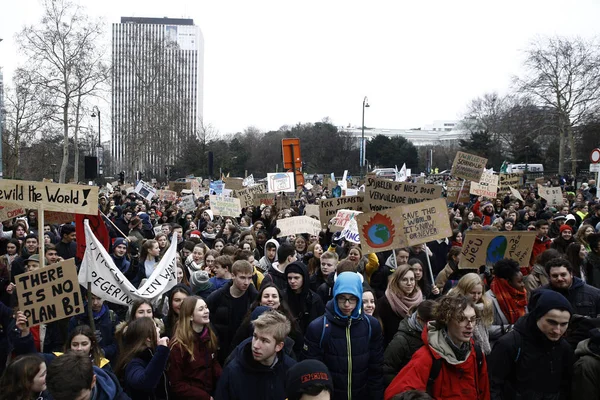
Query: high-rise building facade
[157, 92]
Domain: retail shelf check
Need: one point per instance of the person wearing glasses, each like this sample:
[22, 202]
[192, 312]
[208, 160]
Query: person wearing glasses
[448, 365]
[348, 342]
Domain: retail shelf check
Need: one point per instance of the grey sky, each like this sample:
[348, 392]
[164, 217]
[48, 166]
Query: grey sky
[270, 63]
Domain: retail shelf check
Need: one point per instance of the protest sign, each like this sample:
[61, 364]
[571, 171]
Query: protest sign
[109, 283]
[380, 231]
[145, 190]
[281, 182]
[51, 196]
[329, 207]
[515, 193]
[342, 218]
[225, 206]
[282, 202]
[468, 166]
[187, 203]
[9, 211]
[268, 199]
[248, 194]
[216, 187]
[55, 217]
[383, 193]
[196, 187]
[177, 187]
[487, 185]
[486, 248]
[506, 181]
[297, 225]
[50, 293]
[540, 181]
[426, 221]
[553, 195]
[248, 181]
[350, 232]
[312, 210]
[454, 187]
[233, 183]
[167, 195]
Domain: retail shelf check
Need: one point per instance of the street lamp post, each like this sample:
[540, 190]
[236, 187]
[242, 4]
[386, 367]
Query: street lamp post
[363, 147]
[96, 111]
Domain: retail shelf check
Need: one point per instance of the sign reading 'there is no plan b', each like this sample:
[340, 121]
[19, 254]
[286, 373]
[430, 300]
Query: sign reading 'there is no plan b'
[80, 199]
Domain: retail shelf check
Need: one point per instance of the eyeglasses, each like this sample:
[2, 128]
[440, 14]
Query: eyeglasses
[350, 300]
[466, 321]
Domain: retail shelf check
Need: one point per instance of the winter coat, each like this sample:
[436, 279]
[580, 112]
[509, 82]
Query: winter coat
[539, 246]
[440, 249]
[276, 277]
[586, 371]
[145, 376]
[400, 350]
[108, 386]
[462, 380]
[561, 244]
[106, 322]
[304, 306]
[351, 347]
[220, 304]
[325, 290]
[485, 218]
[524, 364]
[379, 278]
[591, 266]
[246, 379]
[536, 279]
[500, 326]
[389, 319]
[195, 379]
[123, 226]
[584, 299]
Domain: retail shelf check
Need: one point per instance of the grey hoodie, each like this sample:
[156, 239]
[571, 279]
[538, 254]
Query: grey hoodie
[264, 263]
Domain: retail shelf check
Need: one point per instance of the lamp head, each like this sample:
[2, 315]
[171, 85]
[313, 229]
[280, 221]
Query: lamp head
[93, 115]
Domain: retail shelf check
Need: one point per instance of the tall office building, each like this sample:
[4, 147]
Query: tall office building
[157, 92]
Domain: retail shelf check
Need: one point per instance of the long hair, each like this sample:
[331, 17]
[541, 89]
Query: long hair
[184, 332]
[17, 380]
[464, 287]
[95, 351]
[580, 235]
[572, 254]
[396, 278]
[135, 342]
[134, 307]
[283, 306]
[171, 317]
[146, 246]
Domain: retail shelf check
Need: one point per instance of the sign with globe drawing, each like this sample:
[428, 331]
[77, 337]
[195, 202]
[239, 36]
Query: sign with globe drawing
[486, 248]
[380, 231]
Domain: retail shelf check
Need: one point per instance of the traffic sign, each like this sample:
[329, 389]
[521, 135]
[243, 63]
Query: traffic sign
[594, 167]
[595, 156]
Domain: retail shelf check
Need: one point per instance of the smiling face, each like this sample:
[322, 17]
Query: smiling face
[318, 251]
[81, 344]
[270, 298]
[560, 278]
[368, 303]
[407, 283]
[354, 255]
[198, 254]
[201, 316]
[417, 270]
[144, 310]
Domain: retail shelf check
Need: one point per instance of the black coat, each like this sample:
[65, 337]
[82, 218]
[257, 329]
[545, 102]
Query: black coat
[400, 350]
[584, 299]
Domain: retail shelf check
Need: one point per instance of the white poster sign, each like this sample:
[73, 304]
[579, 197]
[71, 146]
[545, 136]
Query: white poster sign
[281, 182]
[225, 206]
[145, 190]
[297, 225]
[487, 185]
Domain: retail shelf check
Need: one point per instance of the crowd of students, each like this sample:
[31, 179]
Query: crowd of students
[255, 315]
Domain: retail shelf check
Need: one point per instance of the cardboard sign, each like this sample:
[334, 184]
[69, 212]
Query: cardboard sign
[342, 218]
[145, 190]
[468, 166]
[10, 211]
[225, 206]
[282, 202]
[454, 187]
[248, 194]
[329, 207]
[426, 221]
[487, 185]
[312, 210]
[381, 230]
[350, 232]
[281, 182]
[49, 294]
[187, 203]
[383, 193]
[297, 225]
[167, 195]
[79, 199]
[506, 181]
[515, 193]
[553, 195]
[54, 217]
[486, 248]
[177, 187]
[233, 183]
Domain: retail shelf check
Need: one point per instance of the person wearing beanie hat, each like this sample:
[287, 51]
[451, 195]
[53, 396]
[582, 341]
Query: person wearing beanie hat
[557, 221]
[305, 305]
[195, 234]
[309, 378]
[120, 258]
[201, 286]
[564, 239]
[346, 330]
[586, 371]
[534, 360]
[484, 209]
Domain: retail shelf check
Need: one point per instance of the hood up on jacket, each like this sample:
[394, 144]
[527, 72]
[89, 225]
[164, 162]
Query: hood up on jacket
[434, 338]
[348, 283]
[273, 241]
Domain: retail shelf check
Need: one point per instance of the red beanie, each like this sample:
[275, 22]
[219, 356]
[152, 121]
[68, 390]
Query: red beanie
[565, 227]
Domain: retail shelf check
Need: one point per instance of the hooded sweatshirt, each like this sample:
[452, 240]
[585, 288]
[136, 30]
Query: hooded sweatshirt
[306, 305]
[586, 371]
[264, 263]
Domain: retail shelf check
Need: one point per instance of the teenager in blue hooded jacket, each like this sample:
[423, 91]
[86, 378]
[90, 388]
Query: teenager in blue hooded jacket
[348, 342]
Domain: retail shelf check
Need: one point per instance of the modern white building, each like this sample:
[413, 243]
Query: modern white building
[157, 91]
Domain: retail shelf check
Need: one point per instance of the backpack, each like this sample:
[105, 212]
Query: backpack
[436, 367]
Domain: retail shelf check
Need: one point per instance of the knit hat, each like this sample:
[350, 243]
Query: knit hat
[198, 278]
[196, 234]
[120, 241]
[306, 374]
[210, 214]
[559, 217]
[571, 217]
[296, 267]
[544, 300]
[486, 204]
[565, 227]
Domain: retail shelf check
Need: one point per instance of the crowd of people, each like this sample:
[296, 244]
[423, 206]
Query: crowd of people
[257, 315]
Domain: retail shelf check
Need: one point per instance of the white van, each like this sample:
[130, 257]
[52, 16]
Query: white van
[511, 168]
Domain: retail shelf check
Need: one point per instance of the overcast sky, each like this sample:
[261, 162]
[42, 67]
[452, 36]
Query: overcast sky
[272, 63]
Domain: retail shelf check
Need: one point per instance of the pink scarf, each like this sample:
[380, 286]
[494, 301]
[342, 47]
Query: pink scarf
[401, 305]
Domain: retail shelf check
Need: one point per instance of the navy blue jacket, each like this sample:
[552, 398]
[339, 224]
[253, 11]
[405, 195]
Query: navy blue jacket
[106, 323]
[584, 299]
[245, 379]
[145, 377]
[327, 339]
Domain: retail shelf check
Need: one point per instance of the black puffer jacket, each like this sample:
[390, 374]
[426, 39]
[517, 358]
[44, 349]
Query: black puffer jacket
[400, 350]
[584, 299]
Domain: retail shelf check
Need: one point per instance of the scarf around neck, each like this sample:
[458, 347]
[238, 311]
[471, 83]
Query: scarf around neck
[401, 305]
[512, 302]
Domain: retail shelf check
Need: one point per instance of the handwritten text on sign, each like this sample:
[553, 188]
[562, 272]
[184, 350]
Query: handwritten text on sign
[49, 294]
[468, 166]
[225, 206]
[487, 185]
[553, 195]
[342, 218]
[426, 221]
[9, 211]
[78, 199]
[328, 208]
[508, 180]
[247, 194]
[381, 194]
[486, 248]
[458, 188]
[297, 225]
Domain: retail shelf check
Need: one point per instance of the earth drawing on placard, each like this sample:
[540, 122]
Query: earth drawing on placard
[496, 250]
[379, 231]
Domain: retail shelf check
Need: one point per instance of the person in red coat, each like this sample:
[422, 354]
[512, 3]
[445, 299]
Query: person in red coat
[193, 367]
[542, 241]
[449, 339]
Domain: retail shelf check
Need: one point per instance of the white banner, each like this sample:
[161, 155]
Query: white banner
[109, 283]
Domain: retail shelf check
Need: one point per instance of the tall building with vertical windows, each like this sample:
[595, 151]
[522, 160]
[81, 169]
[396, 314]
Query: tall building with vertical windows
[157, 92]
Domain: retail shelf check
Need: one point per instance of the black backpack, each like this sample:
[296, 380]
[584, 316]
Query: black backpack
[436, 367]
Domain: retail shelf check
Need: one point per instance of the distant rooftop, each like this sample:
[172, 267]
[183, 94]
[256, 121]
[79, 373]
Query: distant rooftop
[157, 21]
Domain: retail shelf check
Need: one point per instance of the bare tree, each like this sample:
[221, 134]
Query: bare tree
[564, 74]
[65, 62]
